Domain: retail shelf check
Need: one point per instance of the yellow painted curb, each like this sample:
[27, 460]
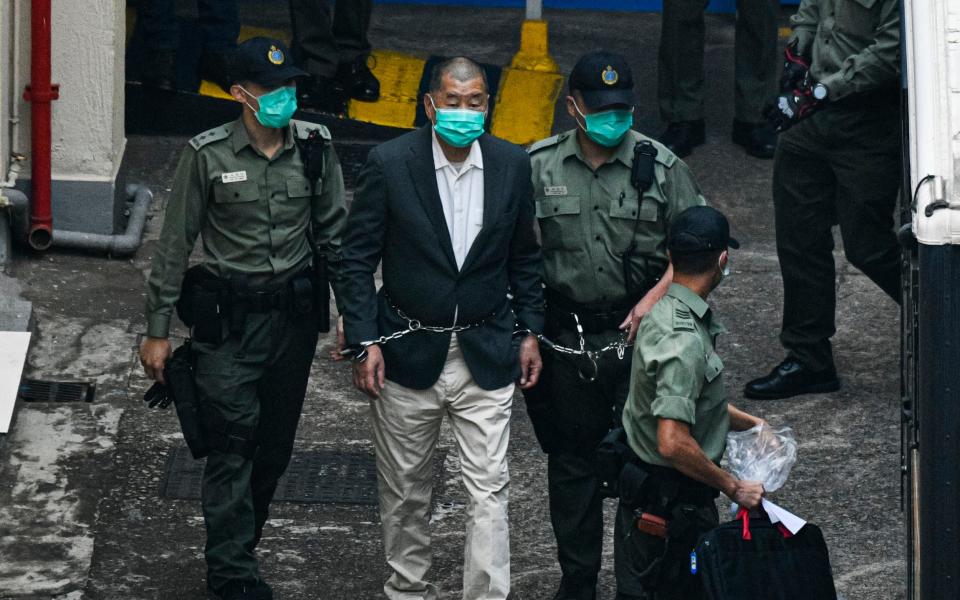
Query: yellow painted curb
[785, 32]
[534, 54]
[525, 105]
[399, 76]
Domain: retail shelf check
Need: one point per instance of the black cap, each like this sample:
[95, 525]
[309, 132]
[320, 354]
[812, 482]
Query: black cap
[265, 61]
[603, 78]
[698, 229]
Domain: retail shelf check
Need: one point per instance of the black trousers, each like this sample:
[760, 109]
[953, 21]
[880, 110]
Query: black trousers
[840, 166]
[580, 414]
[322, 40]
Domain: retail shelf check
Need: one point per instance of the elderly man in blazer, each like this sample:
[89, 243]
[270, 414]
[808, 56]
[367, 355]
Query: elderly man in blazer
[449, 211]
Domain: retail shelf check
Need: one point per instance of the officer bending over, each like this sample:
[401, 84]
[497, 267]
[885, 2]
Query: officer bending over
[676, 421]
[264, 216]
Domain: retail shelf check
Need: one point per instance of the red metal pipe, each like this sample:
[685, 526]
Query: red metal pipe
[40, 93]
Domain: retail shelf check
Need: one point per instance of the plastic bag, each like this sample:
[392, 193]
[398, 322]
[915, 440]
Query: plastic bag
[762, 454]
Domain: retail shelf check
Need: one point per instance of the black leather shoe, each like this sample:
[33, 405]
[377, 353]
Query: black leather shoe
[358, 80]
[791, 378]
[235, 590]
[569, 592]
[159, 70]
[322, 93]
[215, 67]
[683, 136]
[758, 139]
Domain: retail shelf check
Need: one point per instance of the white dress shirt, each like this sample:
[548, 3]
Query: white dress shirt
[461, 194]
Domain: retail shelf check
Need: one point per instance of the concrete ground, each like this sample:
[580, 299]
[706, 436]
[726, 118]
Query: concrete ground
[80, 512]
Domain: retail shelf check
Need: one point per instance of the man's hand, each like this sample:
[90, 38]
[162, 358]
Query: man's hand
[530, 362]
[369, 375]
[746, 493]
[335, 354]
[632, 322]
[154, 353]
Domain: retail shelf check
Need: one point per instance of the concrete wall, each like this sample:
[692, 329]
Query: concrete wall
[953, 52]
[88, 133]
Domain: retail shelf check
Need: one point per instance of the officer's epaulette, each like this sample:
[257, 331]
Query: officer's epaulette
[682, 319]
[303, 129]
[550, 141]
[221, 132]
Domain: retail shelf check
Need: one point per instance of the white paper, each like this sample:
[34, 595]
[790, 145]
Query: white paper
[792, 522]
[13, 353]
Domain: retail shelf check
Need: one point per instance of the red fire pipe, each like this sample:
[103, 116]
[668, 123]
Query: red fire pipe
[40, 93]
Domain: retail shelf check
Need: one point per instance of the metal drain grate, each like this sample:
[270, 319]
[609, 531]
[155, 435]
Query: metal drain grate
[34, 390]
[313, 477]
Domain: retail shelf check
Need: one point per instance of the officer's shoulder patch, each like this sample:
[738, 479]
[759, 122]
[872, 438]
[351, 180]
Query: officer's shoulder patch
[303, 129]
[550, 141]
[211, 135]
[683, 319]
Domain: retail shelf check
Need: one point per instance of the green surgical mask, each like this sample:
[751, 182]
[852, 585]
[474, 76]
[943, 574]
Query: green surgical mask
[607, 128]
[458, 127]
[276, 107]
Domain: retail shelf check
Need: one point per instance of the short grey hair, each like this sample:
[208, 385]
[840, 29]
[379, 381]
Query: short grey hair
[460, 68]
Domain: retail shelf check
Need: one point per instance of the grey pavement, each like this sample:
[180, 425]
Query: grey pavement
[80, 512]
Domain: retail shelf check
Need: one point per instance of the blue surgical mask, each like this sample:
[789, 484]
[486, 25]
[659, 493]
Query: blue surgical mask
[276, 107]
[607, 128]
[458, 127]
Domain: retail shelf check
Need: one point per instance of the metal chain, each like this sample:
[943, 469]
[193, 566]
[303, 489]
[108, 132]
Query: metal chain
[414, 325]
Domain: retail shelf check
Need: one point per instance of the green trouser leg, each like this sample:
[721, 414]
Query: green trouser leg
[583, 413]
[680, 61]
[322, 40]
[636, 554]
[837, 167]
[756, 58]
[257, 380]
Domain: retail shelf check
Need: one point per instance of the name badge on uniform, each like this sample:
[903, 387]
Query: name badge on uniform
[555, 190]
[234, 177]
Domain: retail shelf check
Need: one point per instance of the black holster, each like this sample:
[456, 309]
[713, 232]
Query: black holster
[178, 374]
[613, 456]
[204, 304]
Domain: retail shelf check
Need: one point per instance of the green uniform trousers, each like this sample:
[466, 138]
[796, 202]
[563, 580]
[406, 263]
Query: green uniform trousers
[680, 67]
[839, 166]
[581, 414]
[641, 557]
[322, 40]
[258, 379]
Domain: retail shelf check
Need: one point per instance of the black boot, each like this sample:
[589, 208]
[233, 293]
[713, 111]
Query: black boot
[235, 590]
[358, 81]
[758, 139]
[682, 137]
[215, 67]
[570, 591]
[322, 93]
[791, 378]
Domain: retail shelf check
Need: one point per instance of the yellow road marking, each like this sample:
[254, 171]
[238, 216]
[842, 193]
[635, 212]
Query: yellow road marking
[525, 105]
[785, 32]
[399, 76]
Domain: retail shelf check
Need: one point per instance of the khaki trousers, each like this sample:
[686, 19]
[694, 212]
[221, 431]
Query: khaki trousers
[406, 427]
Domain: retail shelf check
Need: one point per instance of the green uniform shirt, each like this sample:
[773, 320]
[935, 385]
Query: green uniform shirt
[854, 44]
[252, 213]
[589, 218]
[677, 374]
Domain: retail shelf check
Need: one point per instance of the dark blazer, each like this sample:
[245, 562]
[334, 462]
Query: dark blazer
[397, 217]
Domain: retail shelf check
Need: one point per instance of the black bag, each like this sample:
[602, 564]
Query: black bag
[767, 565]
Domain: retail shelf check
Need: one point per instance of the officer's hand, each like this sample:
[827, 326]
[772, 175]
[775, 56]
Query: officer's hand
[530, 362]
[632, 322]
[795, 68]
[747, 493]
[791, 108]
[369, 375]
[154, 353]
[341, 342]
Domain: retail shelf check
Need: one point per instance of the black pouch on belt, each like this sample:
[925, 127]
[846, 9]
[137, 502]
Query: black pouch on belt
[301, 295]
[201, 303]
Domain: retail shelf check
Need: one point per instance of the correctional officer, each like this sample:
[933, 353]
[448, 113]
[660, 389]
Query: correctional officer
[676, 421]
[604, 197]
[243, 188]
[838, 162]
[680, 74]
